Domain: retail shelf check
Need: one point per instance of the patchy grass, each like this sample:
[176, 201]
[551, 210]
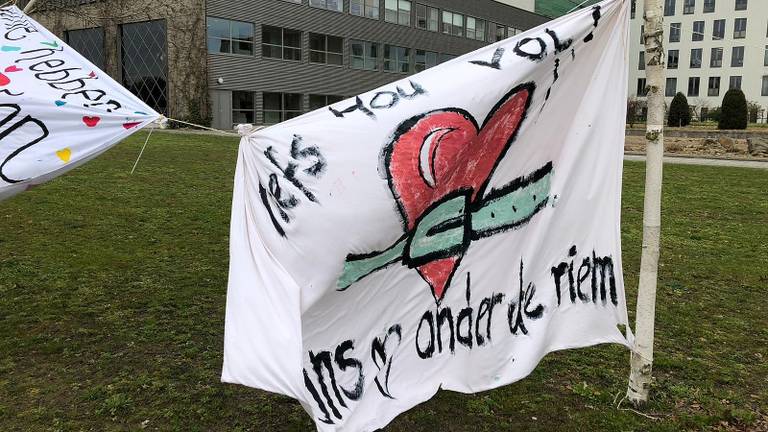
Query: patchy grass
[112, 293]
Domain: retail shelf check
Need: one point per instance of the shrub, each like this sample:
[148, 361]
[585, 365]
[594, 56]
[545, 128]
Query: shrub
[733, 114]
[679, 111]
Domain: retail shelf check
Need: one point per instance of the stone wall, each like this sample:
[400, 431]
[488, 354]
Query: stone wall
[186, 42]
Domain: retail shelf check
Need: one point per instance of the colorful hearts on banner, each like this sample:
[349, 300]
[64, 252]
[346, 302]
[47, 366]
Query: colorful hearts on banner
[91, 121]
[131, 125]
[4, 80]
[51, 44]
[13, 68]
[9, 48]
[64, 154]
[60, 103]
[92, 74]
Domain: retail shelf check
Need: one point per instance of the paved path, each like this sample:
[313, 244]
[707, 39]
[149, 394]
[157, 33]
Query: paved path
[704, 161]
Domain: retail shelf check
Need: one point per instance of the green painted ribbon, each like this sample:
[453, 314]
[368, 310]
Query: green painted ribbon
[448, 226]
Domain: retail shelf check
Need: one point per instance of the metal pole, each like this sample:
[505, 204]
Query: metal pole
[28, 8]
[641, 363]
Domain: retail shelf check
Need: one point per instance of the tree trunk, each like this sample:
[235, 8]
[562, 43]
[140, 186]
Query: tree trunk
[640, 377]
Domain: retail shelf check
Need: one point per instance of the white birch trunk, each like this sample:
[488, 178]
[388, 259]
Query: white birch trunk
[640, 377]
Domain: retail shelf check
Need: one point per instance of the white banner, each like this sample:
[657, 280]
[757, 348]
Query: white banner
[57, 110]
[444, 231]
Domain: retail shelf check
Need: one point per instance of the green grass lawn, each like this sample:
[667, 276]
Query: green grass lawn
[112, 294]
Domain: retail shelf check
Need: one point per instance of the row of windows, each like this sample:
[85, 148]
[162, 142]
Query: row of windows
[689, 6]
[229, 37]
[276, 107]
[694, 84]
[426, 18]
[696, 58]
[699, 27]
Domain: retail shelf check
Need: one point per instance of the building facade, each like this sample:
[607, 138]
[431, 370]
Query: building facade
[711, 46]
[264, 61]
[271, 60]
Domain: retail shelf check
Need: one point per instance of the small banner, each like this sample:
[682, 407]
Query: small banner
[57, 110]
[445, 231]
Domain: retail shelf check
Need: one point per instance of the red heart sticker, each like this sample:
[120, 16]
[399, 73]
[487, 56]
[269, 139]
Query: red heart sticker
[13, 68]
[444, 151]
[91, 121]
[131, 125]
[4, 80]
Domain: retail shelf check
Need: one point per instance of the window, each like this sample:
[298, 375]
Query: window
[674, 32]
[633, 9]
[398, 12]
[279, 107]
[672, 59]
[334, 5]
[765, 56]
[365, 55]
[89, 43]
[446, 57]
[718, 29]
[280, 43]
[364, 8]
[144, 61]
[320, 101]
[499, 32]
[230, 37]
[671, 88]
[764, 90]
[453, 23]
[689, 6]
[709, 6]
[641, 61]
[735, 83]
[641, 90]
[427, 18]
[741, 4]
[425, 60]
[669, 7]
[642, 35]
[243, 108]
[716, 58]
[739, 28]
[475, 29]
[737, 56]
[714, 86]
[693, 86]
[326, 49]
[397, 59]
[511, 31]
[698, 31]
[696, 55]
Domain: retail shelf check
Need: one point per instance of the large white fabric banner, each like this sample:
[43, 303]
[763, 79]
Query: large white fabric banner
[444, 231]
[57, 110]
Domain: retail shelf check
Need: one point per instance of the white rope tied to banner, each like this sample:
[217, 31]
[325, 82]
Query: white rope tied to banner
[242, 130]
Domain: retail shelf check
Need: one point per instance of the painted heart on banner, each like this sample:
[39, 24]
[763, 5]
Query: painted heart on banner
[441, 152]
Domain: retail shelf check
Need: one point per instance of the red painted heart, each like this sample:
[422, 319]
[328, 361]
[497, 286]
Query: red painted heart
[92, 74]
[444, 151]
[13, 68]
[131, 125]
[4, 80]
[91, 121]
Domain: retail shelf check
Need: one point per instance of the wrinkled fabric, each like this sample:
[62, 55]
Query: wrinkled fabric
[57, 110]
[445, 231]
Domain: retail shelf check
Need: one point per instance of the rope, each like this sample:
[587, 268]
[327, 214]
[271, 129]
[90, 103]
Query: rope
[142, 151]
[198, 126]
